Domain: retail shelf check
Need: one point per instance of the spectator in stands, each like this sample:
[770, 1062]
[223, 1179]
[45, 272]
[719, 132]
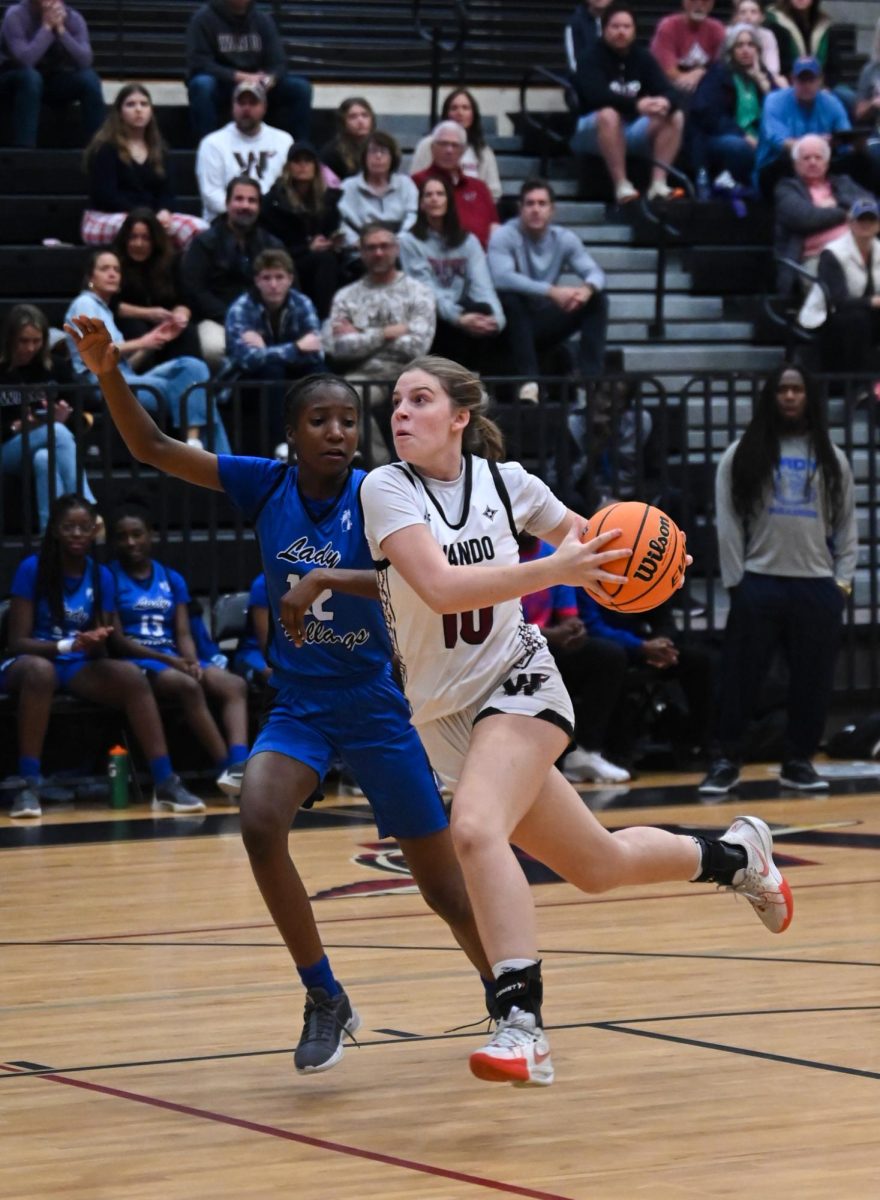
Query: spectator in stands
[810, 208]
[528, 256]
[478, 159]
[151, 626]
[583, 31]
[751, 12]
[867, 104]
[355, 121]
[652, 642]
[849, 273]
[170, 381]
[380, 322]
[439, 253]
[685, 44]
[219, 264]
[788, 543]
[725, 113]
[250, 655]
[45, 55]
[473, 200]
[151, 291]
[801, 30]
[60, 618]
[790, 113]
[230, 42]
[627, 105]
[379, 192]
[581, 660]
[273, 333]
[303, 213]
[244, 146]
[128, 167]
[26, 362]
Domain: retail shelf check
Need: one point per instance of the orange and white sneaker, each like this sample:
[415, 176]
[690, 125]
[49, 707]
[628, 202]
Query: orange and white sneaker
[760, 880]
[517, 1052]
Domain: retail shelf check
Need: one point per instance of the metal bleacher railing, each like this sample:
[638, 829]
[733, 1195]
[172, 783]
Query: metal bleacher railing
[648, 436]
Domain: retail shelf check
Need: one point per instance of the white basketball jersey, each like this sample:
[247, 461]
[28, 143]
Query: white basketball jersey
[451, 660]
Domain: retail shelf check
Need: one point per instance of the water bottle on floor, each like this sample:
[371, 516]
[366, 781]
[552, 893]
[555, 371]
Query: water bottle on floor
[117, 771]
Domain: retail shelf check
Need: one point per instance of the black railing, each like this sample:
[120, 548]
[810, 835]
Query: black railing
[432, 28]
[644, 436]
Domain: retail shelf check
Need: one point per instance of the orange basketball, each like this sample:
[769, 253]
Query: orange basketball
[656, 566]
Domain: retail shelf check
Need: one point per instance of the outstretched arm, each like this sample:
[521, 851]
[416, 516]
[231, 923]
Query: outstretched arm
[143, 437]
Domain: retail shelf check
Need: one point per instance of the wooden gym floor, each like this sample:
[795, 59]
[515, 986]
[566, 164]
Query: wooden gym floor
[148, 1011]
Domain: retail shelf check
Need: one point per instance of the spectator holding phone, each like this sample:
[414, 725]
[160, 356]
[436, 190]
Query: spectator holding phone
[26, 361]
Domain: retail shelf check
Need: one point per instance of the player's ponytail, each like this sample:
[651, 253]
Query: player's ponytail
[481, 435]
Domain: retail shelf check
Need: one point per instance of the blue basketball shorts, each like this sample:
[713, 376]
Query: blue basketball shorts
[368, 727]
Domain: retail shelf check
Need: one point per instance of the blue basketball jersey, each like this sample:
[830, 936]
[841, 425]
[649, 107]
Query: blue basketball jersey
[78, 597]
[146, 607]
[345, 636]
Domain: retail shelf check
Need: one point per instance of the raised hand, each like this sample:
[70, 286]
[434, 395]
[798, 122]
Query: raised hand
[93, 342]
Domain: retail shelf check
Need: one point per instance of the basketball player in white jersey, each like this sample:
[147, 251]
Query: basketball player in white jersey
[488, 700]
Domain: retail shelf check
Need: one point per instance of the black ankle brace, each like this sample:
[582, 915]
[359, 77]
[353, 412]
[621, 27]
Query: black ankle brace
[520, 989]
[720, 861]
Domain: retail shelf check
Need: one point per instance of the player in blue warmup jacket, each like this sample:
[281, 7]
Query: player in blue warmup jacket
[152, 626]
[59, 621]
[305, 517]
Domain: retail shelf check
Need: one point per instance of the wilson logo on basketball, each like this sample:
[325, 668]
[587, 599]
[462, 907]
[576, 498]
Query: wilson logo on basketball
[656, 552]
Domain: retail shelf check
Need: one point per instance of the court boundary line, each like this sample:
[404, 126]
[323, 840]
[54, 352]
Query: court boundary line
[303, 1139]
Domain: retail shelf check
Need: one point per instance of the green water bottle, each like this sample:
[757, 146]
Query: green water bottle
[117, 770]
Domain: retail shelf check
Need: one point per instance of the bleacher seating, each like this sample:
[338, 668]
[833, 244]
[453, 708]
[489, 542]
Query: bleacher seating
[718, 266]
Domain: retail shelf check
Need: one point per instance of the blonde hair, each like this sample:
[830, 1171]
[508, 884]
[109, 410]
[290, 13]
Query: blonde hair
[481, 435]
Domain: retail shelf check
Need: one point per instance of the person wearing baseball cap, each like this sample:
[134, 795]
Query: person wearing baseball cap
[847, 295]
[788, 115]
[246, 146]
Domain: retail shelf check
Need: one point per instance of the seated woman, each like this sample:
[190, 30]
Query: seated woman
[355, 121]
[304, 214]
[479, 158]
[152, 627]
[849, 268]
[811, 208]
[379, 192]
[439, 253]
[726, 112]
[25, 362]
[170, 380]
[250, 655]
[751, 12]
[60, 618]
[801, 29]
[128, 167]
[151, 290]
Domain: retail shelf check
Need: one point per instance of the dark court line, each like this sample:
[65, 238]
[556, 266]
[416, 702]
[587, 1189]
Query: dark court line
[302, 1139]
[23, 1070]
[766, 1055]
[396, 946]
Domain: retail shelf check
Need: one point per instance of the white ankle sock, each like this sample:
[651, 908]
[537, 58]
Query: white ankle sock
[512, 964]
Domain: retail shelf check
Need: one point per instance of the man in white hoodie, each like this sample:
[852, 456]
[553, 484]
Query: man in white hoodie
[245, 146]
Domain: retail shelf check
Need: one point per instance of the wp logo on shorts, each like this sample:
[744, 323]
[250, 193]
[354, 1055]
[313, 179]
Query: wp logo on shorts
[524, 684]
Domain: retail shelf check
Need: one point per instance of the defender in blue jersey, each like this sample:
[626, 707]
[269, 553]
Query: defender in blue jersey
[60, 618]
[336, 695]
[152, 627]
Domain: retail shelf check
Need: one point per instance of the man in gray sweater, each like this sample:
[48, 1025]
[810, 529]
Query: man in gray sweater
[528, 256]
[788, 547]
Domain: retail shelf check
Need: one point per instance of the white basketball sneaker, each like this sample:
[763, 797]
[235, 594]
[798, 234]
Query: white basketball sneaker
[517, 1052]
[760, 881]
